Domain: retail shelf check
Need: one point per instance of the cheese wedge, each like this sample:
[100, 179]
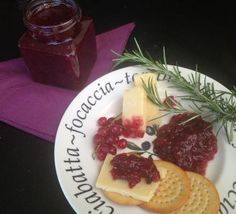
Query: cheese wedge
[144, 77]
[134, 108]
[152, 111]
[141, 191]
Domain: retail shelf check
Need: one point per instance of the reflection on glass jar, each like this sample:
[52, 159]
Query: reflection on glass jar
[59, 46]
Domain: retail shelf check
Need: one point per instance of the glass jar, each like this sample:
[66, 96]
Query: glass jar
[59, 46]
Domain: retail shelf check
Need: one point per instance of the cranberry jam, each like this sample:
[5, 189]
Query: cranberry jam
[132, 168]
[59, 46]
[189, 145]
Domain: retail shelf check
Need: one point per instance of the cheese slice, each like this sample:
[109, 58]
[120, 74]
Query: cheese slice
[141, 191]
[144, 77]
[152, 112]
[134, 106]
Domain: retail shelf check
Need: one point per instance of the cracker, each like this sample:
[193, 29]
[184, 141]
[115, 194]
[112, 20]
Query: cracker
[120, 199]
[204, 198]
[173, 190]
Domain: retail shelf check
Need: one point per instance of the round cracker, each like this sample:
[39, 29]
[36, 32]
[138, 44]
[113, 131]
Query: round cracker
[204, 198]
[173, 190]
[120, 199]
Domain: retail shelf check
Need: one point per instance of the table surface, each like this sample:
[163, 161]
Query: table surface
[192, 33]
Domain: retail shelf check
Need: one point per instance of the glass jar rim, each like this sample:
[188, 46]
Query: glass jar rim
[32, 6]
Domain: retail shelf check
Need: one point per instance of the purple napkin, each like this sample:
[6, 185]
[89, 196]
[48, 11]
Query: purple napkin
[36, 108]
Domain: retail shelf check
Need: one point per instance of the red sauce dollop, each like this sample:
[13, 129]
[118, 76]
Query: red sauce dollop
[189, 145]
[132, 168]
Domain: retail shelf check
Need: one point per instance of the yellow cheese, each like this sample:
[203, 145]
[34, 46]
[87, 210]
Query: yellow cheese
[134, 105]
[141, 191]
[152, 111]
[140, 78]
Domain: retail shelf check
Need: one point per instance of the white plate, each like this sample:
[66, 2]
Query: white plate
[77, 170]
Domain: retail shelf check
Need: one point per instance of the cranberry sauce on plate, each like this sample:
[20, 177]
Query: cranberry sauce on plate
[132, 168]
[189, 145]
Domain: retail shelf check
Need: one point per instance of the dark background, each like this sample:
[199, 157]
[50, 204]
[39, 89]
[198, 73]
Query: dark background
[192, 32]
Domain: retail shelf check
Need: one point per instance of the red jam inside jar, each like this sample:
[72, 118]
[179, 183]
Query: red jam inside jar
[59, 46]
[132, 168]
[189, 145]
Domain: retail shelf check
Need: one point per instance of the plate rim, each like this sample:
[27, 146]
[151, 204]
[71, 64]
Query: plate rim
[137, 67]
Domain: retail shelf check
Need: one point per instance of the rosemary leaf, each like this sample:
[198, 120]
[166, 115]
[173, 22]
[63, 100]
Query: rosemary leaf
[205, 99]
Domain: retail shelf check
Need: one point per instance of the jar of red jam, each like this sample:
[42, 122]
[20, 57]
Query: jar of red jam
[59, 46]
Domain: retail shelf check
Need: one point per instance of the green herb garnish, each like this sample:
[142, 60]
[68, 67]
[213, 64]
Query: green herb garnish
[205, 100]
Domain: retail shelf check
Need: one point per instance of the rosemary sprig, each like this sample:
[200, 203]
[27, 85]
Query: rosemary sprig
[204, 98]
[172, 106]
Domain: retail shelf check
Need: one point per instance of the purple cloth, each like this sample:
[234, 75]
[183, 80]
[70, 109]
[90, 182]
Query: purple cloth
[36, 108]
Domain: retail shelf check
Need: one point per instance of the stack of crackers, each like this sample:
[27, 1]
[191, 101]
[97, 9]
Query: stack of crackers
[178, 192]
